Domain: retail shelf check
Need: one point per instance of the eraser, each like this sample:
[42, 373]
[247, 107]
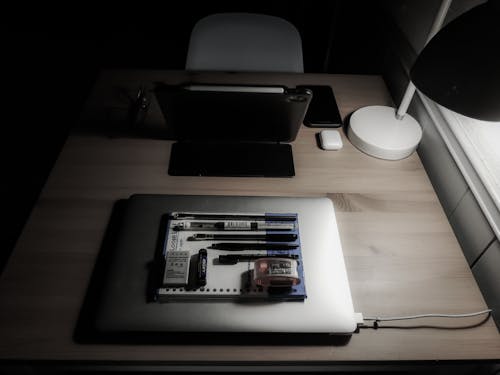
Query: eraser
[176, 268]
[330, 140]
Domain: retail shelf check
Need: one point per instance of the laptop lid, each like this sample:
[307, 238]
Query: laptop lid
[328, 308]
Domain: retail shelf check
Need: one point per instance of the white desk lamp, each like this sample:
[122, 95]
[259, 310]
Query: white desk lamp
[385, 132]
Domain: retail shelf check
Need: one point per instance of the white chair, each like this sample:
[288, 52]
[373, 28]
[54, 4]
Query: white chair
[245, 42]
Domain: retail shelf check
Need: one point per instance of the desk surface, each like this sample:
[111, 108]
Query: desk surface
[401, 254]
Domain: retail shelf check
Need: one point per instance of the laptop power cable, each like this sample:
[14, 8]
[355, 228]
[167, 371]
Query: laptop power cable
[360, 319]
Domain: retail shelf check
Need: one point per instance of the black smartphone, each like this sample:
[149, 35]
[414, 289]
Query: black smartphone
[323, 111]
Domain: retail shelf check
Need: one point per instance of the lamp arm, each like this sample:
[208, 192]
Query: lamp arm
[436, 25]
[405, 102]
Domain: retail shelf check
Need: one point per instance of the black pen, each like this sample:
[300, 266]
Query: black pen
[277, 237]
[236, 246]
[233, 259]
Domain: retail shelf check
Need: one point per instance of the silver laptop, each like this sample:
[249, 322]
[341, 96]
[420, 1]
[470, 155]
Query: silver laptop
[327, 309]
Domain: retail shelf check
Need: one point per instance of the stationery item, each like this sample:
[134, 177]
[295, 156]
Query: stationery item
[234, 259]
[272, 237]
[202, 267]
[231, 216]
[236, 246]
[276, 272]
[176, 268]
[209, 279]
[233, 225]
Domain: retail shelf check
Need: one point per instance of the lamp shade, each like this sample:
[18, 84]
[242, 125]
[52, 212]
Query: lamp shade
[460, 67]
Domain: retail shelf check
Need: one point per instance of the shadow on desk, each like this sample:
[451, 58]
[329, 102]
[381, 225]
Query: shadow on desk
[86, 331]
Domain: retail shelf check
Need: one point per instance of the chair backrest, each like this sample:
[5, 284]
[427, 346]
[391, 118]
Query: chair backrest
[244, 42]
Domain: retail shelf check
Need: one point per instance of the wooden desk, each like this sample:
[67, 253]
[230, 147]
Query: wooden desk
[401, 254]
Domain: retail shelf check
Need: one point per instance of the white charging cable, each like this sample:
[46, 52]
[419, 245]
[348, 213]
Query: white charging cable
[378, 319]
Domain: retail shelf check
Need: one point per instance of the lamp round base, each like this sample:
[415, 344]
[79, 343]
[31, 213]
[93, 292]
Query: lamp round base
[376, 131]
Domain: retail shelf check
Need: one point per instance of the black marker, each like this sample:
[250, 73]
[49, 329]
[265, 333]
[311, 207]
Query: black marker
[233, 259]
[202, 267]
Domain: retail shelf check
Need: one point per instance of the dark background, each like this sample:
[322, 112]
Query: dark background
[53, 56]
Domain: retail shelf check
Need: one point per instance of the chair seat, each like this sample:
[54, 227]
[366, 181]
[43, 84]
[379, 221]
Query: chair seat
[245, 42]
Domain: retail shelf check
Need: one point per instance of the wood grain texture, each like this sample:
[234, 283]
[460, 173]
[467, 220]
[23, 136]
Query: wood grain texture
[401, 254]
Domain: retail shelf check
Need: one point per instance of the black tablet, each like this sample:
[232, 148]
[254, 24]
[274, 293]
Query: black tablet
[232, 130]
[245, 113]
